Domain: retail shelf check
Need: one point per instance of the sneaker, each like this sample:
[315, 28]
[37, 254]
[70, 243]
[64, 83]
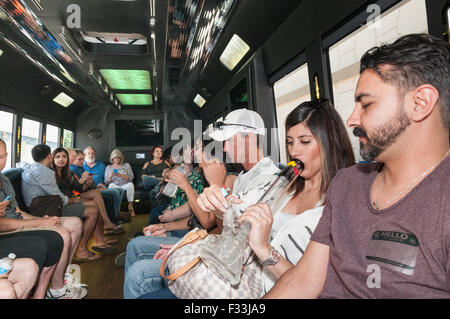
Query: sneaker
[69, 293]
[120, 259]
[71, 281]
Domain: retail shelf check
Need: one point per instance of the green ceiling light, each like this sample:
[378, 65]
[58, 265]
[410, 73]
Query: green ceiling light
[127, 79]
[135, 99]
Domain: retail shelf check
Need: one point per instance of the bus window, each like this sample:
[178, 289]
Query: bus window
[30, 138]
[67, 138]
[345, 55]
[6, 131]
[52, 136]
[290, 91]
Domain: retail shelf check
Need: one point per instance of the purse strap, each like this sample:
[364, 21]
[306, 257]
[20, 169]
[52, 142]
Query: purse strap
[190, 238]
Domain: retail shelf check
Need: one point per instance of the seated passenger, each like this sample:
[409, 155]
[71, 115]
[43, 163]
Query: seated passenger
[37, 253]
[39, 181]
[168, 158]
[97, 169]
[87, 189]
[152, 170]
[145, 247]
[120, 175]
[181, 218]
[315, 135]
[19, 282]
[384, 232]
[68, 185]
[176, 205]
[69, 228]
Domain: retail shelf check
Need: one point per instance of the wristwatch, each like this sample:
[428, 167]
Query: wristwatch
[274, 258]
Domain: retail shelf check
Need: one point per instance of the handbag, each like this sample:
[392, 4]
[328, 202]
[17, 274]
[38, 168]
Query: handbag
[192, 279]
[50, 205]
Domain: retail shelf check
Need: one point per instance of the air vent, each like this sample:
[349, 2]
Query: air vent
[113, 43]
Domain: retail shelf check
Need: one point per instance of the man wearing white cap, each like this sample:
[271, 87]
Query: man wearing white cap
[242, 132]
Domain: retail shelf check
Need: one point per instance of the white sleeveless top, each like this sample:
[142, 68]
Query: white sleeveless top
[290, 236]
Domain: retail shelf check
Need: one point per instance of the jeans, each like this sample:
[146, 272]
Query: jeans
[155, 213]
[141, 271]
[164, 293]
[149, 182]
[117, 194]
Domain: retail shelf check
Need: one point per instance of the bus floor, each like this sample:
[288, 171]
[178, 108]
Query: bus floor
[103, 277]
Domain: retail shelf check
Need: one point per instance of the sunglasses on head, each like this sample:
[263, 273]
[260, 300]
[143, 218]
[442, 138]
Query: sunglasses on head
[220, 125]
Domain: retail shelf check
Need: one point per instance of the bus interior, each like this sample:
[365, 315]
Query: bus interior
[127, 73]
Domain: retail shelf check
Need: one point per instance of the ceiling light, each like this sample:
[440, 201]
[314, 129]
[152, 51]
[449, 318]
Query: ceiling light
[127, 79]
[234, 52]
[199, 100]
[63, 99]
[1, 52]
[152, 21]
[135, 99]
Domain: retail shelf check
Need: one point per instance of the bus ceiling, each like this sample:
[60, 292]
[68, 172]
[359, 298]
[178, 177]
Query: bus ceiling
[135, 54]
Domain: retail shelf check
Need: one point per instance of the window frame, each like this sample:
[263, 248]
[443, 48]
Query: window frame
[18, 117]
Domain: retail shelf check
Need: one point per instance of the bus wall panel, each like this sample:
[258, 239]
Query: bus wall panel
[309, 21]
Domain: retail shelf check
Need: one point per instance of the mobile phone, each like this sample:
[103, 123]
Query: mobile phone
[7, 198]
[115, 171]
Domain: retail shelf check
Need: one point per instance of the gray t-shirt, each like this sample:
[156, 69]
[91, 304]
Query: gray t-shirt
[398, 252]
[6, 189]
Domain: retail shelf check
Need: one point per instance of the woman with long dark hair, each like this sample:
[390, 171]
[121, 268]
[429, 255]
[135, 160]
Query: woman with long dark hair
[68, 184]
[315, 135]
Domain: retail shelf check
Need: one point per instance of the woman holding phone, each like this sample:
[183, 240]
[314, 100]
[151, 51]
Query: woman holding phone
[120, 175]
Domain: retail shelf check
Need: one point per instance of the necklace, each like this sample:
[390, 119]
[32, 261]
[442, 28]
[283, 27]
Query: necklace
[426, 172]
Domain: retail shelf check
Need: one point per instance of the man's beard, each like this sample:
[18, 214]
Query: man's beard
[89, 159]
[383, 136]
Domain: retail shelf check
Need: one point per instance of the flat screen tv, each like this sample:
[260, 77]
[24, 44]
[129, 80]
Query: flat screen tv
[139, 132]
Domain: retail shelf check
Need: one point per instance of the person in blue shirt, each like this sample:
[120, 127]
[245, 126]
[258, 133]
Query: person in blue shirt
[91, 192]
[97, 169]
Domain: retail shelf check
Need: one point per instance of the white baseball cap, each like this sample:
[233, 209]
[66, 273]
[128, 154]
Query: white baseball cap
[238, 121]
